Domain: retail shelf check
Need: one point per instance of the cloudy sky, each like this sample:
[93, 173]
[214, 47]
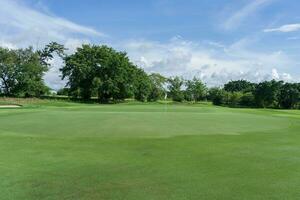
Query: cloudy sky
[216, 40]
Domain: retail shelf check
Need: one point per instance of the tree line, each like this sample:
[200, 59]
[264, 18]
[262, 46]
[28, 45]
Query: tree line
[99, 71]
[266, 94]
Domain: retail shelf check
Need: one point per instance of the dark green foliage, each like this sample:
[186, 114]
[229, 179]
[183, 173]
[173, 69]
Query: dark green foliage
[195, 90]
[216, 95]
[234, 99]
[289, 95]
[8, 70]
[158, 90]
[47, 53]
[267, 93]
[247, 100]
[231, 99]
[63, 92]
[22, 71]
[175, 89]
[149, 88]
[239, 86]
[102, 69]
[143, 86]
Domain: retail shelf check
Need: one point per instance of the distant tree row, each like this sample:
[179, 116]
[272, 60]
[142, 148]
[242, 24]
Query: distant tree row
[101, 72]
[267, 94]
[92, 71]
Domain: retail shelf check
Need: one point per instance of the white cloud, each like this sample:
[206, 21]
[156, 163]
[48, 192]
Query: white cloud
[7, 45]
[293, 38]
[214, 66]
[239, 16]
[275, 74]
[214, 62]
[22, 26]
[285, 28]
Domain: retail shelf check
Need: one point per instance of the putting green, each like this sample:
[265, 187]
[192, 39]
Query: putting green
[151, 151]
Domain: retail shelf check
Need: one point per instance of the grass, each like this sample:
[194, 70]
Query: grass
[63, 150]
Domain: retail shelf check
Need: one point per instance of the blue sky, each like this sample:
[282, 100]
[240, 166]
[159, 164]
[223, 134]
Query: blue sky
[216, 40]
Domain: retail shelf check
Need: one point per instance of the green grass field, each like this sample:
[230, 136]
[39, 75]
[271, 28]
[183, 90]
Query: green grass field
[61, 150]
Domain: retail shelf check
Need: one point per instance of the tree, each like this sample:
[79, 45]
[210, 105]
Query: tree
[175, 85]
[234, 99]
[216, 95]
[9, 70]
[195, 90]
[267, 93]
[248, 100]
[100, 69]
[289, 95]
[22, 71]
[31, 71]
[158, 83]
[80, 69]
[143, 86]
[63, 92]
[47, 54]
[239, 86]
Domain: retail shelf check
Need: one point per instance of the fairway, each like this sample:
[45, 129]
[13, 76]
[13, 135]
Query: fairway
[148, 152]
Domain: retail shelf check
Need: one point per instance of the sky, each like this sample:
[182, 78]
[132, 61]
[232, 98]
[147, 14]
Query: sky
[215, 40]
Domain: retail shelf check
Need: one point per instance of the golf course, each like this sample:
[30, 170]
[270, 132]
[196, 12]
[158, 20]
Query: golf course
[141, 151]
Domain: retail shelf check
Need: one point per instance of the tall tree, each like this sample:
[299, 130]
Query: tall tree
[8, 70]
[30, 79]
[289, 95]
[175, 88]
[195, 90]
[22, 70]
[266, 93]
[158, 90]
[102, 69]
[143, 86]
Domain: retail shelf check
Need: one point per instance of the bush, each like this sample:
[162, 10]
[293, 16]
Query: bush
[234, 99]
[216, 95]
[63, 92]
[248, 100]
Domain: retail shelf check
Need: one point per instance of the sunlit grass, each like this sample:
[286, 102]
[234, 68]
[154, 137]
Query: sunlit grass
[64, 150]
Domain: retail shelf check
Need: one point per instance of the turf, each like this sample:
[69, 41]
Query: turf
[61, 150]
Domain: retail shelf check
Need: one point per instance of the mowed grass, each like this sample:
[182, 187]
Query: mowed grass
[148, 152]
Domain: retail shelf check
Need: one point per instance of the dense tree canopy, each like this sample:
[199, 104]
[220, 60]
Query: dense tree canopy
[8, 70]
[289, 95]
[239, 86]
[267, 94]
[216, 95]
[103, 71]
[195, 90]
[22, 70]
